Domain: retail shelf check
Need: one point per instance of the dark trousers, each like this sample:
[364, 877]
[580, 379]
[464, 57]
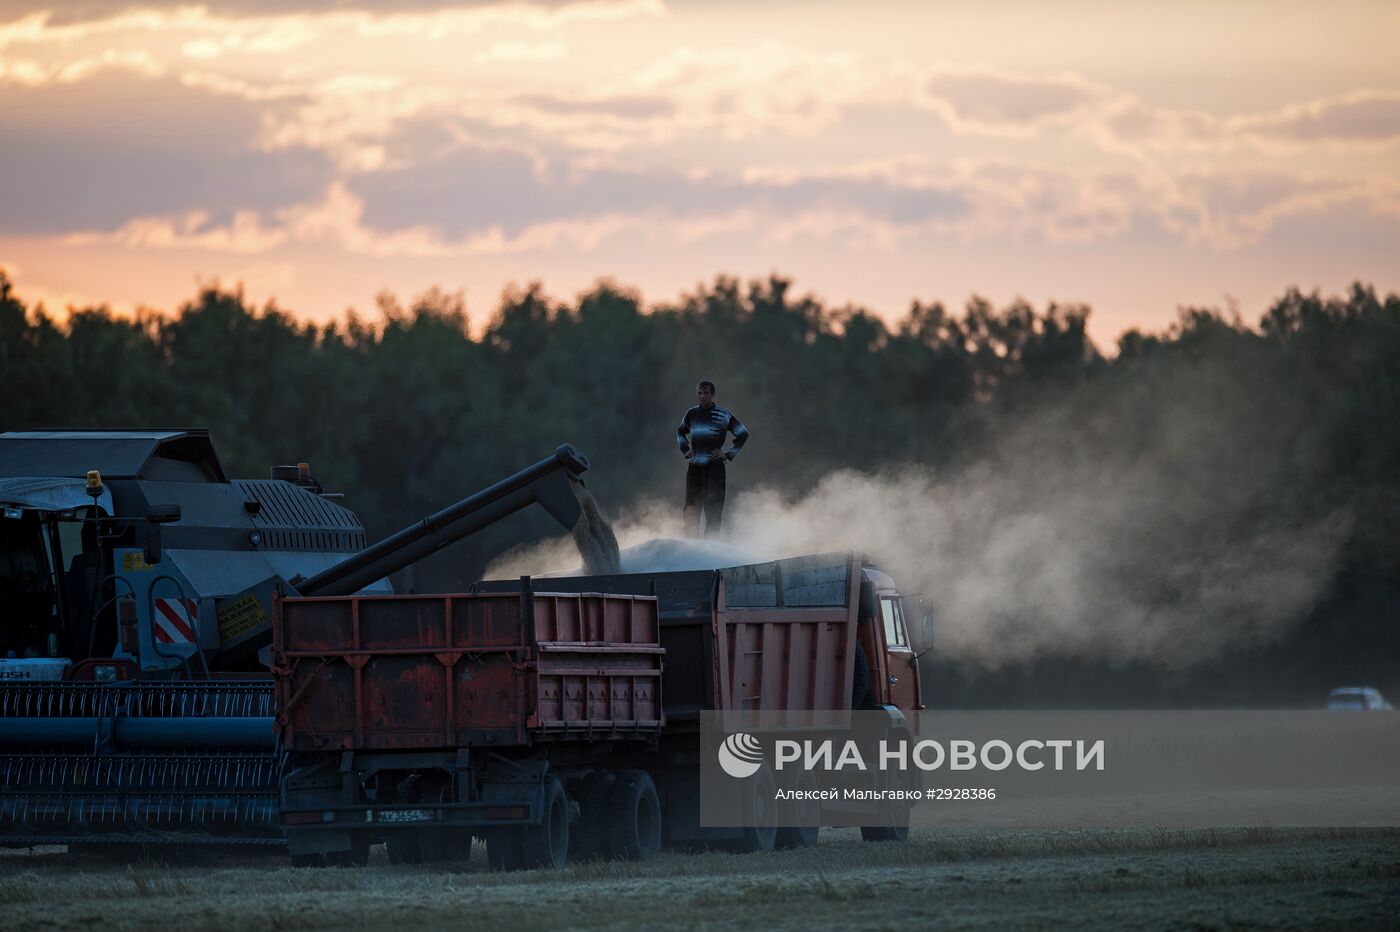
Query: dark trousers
[704, 493]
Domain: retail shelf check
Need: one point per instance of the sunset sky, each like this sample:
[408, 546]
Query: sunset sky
[1137, 157]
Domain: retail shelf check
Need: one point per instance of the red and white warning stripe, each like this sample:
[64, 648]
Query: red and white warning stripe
[174, 624]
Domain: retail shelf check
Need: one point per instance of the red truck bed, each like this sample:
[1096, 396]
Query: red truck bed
[785, 659]
[445, 671]
[771, 637]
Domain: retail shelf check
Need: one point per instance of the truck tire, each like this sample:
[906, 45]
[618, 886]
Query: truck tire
[547, 843]
[792, 836]
[860, 681]
[892, 816]
[634, 817]
[503, 850]
[588, 837]
[760, 834]
[809, 813]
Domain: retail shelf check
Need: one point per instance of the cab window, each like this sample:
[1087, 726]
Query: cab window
[896, 638]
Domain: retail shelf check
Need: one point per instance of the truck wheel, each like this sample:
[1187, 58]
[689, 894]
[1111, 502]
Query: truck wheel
[588, 837]
[634, 817]
[760, 834]
[547, 844]
[809, 815]
[893, 815]
[503, 850]
[791, 836]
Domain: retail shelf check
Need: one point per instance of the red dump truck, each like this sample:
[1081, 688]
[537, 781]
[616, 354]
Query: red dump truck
[559, 718]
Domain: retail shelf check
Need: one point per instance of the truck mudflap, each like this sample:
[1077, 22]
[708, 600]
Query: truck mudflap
[138, 762]
[898, 720]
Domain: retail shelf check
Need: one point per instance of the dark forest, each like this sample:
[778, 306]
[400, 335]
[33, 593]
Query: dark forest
[1230, 427]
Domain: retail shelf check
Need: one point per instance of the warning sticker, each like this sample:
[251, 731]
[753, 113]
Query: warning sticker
[134, 561]
[239, 616]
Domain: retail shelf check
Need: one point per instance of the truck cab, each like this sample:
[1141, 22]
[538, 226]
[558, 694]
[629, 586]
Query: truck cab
[889, 649]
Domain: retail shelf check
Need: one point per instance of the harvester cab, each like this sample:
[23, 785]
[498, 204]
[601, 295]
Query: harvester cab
[126, 553]
[31, 616]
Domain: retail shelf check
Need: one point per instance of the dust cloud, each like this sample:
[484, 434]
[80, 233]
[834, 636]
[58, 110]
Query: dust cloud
[1162, 525]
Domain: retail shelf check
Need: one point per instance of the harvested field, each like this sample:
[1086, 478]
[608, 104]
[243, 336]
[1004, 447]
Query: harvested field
[1182, 879]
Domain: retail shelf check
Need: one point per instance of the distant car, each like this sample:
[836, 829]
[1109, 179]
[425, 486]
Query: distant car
[1357, 698]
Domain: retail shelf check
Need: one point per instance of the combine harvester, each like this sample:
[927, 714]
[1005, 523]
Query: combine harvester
[136, 593]
[145, 597]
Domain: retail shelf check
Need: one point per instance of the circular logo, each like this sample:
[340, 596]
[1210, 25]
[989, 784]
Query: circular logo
[740, 755]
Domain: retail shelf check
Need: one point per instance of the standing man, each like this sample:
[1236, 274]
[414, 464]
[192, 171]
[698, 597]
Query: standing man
[701, 438]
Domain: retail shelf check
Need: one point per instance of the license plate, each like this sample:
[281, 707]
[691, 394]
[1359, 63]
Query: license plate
[404, 815]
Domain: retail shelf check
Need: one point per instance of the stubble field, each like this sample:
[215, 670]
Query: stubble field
[1177, 879]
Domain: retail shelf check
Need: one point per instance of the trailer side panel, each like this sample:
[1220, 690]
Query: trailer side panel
[784, 633]
[449, 671]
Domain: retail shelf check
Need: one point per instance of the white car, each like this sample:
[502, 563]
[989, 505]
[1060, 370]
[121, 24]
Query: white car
[1357, 698]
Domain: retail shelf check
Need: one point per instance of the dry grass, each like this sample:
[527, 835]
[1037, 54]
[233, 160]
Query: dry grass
[1204, 879]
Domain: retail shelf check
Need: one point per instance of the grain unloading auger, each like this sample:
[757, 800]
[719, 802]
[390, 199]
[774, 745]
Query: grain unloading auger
[136, 587]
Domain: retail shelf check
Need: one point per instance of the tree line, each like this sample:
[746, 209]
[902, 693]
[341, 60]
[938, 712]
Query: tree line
[413, 408]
